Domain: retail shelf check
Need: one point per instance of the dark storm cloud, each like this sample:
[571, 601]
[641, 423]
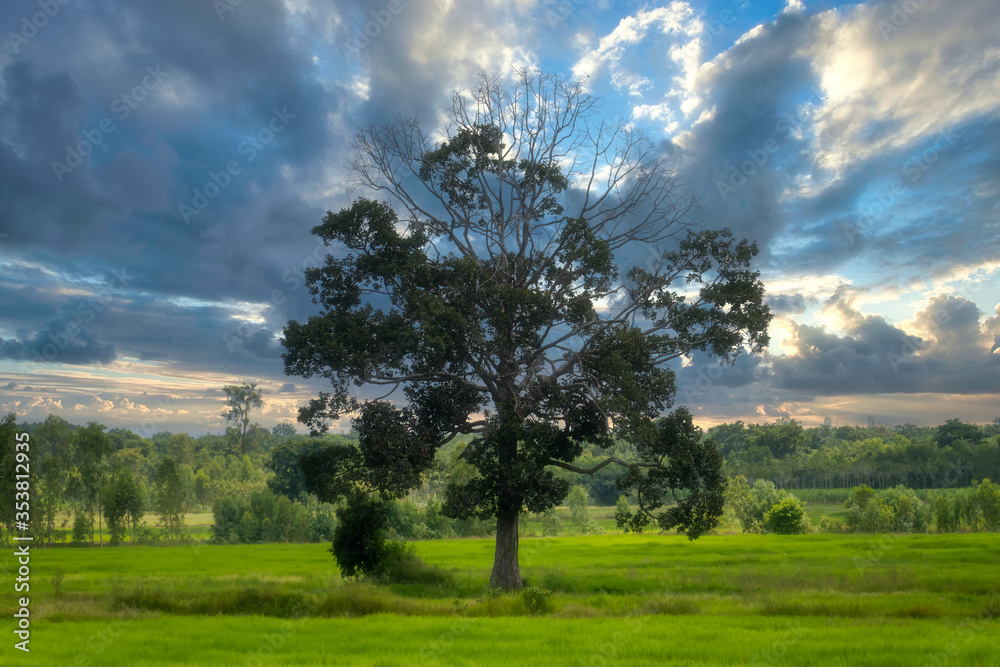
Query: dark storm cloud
[952, 356]
[217, 83]
[182, 91]
[918, 210]
[787, 304]
[61, 342]
[706, 382]
[741, 160]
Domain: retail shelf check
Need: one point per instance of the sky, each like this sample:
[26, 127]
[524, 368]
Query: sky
[162, 165]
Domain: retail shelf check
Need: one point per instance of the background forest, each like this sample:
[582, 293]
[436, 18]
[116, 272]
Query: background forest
[94, 484]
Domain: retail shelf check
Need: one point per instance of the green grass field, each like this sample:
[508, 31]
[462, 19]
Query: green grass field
[616, 599]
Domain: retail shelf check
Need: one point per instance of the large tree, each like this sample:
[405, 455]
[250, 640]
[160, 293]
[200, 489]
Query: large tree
[490, 297]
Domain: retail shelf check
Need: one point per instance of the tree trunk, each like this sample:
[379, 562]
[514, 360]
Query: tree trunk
[506, 571]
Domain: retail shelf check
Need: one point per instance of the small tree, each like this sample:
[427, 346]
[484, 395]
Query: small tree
[359, 538]
[241, 400]
[751, 504]
[170, 497]
[83, 526]
[944, 513]
[93, 446]
[866, 513]
[787, 517]
[551, 525]
[579, 507]
[986, 497]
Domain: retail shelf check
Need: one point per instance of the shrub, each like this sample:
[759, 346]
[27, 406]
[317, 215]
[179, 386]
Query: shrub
[266, 517]
[786, 518]
[399, 564]
[750, 504]
[908, 513]
[438, 525]
[83, 526]
[579, 507]
[622, 514]
[227, 513]
[403, 518]
[475, 527]
[896, 510]
[551, 525]
[944, 513]
[537, 600]
[831, 525]
[986, 497]
[359, 538]
[322, 520]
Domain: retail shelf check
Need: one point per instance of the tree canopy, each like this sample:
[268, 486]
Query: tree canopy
[500, 296]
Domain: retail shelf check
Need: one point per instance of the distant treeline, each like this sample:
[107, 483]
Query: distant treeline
[880, 456]
[88, 482]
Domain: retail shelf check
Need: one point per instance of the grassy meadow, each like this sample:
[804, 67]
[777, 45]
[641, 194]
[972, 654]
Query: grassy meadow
[615, 599]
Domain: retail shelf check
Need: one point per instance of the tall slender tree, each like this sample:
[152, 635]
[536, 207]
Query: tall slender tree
[241, 400]
[93, 447]
[170, 496]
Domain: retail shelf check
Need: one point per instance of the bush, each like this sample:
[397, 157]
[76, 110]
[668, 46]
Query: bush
[359, 538]
[266, 517]
[750, 504]
[831, 525]
[399, 564]
[944, 513]
[226, 515]
[403, 518]
[623, 514]
[537, 600]
[579, 508]
[438, 525]
[474, 527]
[986, 498]
[897, 510]
[786, 518]
[322, 520]
[83, 526]
[908, 513]
[551, 525]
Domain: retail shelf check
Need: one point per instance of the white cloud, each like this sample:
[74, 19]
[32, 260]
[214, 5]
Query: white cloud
[793, 6]
[886, 91]
[677, 21]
